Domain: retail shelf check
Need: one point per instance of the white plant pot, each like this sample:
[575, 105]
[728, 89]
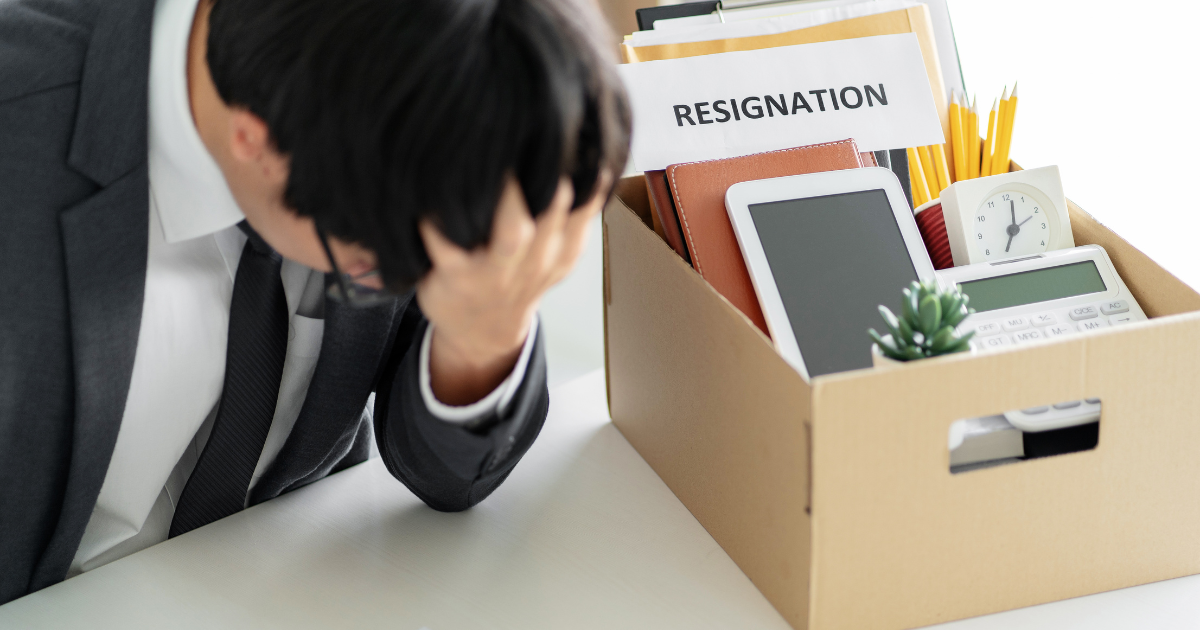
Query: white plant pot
[882, 361]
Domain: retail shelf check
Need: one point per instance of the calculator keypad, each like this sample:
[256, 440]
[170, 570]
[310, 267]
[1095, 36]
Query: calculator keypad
[1114, 307]
[1043, 319]
[990, 328]
[1022, 329]
[1083, 312]
[1015, 323]
[1028, 335]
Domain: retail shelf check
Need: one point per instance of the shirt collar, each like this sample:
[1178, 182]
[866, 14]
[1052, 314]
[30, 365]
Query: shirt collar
[190, 192]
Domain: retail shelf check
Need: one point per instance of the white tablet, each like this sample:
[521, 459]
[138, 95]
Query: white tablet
[824, 251]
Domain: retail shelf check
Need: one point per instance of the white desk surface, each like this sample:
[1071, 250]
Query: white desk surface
[582, 535]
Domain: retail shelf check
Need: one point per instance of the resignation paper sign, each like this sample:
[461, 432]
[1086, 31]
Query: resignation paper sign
[872, 89]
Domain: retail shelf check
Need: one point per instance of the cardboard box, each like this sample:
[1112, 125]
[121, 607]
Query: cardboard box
[835, 497]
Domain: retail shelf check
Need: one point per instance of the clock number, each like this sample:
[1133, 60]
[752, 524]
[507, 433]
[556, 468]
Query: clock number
[1043, 226]
[982, 218]
[979, 236]
[1035, 209]
[987, 252]
[991, 204]
[1005, 197]
[1043, 243]
[1022, 200]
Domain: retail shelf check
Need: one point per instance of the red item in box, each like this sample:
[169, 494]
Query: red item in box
[932, 225]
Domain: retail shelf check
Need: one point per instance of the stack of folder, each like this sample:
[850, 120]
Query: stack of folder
[688, 199]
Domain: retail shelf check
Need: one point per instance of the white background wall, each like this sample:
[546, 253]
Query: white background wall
[1108, 91]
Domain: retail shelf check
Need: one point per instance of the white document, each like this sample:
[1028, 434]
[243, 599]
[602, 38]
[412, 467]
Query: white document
[872, 89]
[803, 15]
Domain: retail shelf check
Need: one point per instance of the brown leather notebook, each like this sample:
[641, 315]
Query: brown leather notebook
[698, 189]
[666, 221]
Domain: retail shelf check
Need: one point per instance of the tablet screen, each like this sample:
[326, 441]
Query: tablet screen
[835, 259]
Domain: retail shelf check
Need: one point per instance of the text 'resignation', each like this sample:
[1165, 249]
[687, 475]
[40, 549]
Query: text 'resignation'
[754, 107]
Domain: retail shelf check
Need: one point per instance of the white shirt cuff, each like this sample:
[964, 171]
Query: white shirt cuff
[497, 401]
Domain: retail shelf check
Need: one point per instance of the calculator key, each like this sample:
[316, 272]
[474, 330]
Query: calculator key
[1035, 410]
[996, 342]
[1096, 324]
[990, 328]
[1083, 312]
[1114, 307]
[1120, 319]
[1067, 405]
[1016, 323]
[1092, 401]
[1027, 336]
[1044, 319]
[1057, 331]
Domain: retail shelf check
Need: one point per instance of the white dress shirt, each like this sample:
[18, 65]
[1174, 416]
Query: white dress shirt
[179, 366]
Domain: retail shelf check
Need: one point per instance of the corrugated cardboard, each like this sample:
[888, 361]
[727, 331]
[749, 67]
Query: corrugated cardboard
[836, 498]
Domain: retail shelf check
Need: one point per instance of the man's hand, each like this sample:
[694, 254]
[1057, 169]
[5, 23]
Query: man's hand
[482, 302]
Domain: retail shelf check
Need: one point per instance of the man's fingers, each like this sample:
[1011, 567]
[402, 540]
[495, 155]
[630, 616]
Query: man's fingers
[600, 193]
[574, 239]
[577, 227]
[443, 252]
[545, 246]
[513, 229]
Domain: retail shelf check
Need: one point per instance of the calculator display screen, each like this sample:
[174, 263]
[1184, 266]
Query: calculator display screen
[835, 259]
[1029, 287]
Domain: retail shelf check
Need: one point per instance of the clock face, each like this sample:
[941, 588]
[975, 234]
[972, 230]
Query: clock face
[1010, 223]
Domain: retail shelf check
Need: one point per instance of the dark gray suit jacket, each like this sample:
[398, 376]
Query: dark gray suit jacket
[74, 218]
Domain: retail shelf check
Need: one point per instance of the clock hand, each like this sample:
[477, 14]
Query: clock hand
[1025, 221]
[1014, 228]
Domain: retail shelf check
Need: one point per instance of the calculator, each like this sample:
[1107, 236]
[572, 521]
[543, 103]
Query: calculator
[1043, 297]
[1057, 416]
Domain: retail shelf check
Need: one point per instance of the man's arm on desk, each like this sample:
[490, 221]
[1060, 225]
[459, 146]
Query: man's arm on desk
[454, 464]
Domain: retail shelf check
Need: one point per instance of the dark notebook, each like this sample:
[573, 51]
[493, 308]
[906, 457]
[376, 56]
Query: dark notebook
[647, 16]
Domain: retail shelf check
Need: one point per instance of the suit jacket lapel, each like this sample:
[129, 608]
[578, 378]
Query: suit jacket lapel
[352, 351]
[105, 245]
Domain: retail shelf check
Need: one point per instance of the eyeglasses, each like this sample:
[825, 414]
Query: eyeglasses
[348, 289]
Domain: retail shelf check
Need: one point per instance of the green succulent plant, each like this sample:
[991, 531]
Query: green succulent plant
[926, 326]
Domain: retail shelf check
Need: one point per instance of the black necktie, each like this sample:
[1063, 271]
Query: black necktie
[258, 329]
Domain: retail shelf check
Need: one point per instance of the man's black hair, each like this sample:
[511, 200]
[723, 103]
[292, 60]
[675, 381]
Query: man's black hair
[395, 110]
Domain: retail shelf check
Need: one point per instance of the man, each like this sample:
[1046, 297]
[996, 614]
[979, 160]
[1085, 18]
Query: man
[183, 185]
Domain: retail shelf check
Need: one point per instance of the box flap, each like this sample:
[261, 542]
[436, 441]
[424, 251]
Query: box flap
[720, 418]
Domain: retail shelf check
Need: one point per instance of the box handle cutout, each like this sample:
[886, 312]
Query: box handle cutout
[1021, 434]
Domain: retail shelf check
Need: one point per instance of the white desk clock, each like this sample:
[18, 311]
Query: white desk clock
[1006, 216]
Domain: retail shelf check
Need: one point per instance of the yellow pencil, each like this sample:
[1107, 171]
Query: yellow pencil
[912, 182]
[999, 148]
[938, 151]
[973, 139]
[957, 145]
[927, 167]
[985, 165]
[1009, 117]
[920, 192]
